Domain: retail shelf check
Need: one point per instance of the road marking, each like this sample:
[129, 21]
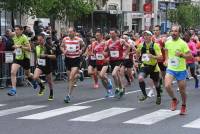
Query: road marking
[152, 118]
[53, 113]
[1, 105]
[193, 124]
[102, 114]
[85, 102]
[20, 109]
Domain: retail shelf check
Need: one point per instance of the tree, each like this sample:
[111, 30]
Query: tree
[187, 15]
[73, 9]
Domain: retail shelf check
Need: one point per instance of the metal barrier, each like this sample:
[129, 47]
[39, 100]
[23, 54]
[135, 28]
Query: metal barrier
[60, 72]
[6, 59]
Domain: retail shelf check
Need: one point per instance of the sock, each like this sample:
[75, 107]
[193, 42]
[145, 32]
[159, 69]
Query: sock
[142, 87]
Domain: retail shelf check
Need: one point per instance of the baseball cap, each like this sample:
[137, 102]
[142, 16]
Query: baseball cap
[148, 32]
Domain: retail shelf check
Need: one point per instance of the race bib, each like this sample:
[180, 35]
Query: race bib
[42, 62]
[71, 48]
[174, 62]
[99, 56]
[114, 54]
[145, 57]
[8, 57]
[127, 57]
[18, 51]
[93, 57]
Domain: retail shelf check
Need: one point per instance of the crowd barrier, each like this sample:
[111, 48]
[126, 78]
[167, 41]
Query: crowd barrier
[6, 60]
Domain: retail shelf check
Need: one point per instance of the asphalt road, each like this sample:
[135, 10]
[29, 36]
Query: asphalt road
[90, 113]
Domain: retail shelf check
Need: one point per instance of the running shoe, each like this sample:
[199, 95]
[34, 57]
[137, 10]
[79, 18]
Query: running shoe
[81, 78]
[183, 110]
[143, 98]
[151, 93]
[75, 85]
[12, 92]
[122, 93]
[109, 93]
[96, 86]
[42, 90]
[158, 100]
[50, 98]
[174, 104]
[117, 93]
[67, 99]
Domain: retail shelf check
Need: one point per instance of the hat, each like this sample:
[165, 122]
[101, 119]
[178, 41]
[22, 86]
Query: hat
[148, 32]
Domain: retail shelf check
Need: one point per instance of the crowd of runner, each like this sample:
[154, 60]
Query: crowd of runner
[163, 58]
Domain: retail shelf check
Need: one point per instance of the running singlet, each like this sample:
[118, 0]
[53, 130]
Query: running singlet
[72, 47]
[162, 46]
[99, 53]
[116, 50]
[91, 47]
[176, 63]
[130, 53]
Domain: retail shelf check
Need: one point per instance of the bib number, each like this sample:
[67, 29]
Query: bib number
[174, 62]
[71, 48]
[114, 54]
[18, 52]
[42, 62]
[93, 57]
[145, 57]
[127, 57]
[99, 56]
[8, 57]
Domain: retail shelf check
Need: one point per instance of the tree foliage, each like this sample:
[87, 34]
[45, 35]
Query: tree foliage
[59, 9]
[187, 15]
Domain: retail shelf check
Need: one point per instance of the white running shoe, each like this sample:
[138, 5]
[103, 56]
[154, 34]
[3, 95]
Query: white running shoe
[151, 93]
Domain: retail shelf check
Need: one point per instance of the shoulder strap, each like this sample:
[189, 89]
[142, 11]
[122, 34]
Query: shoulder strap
[143, 49]
[151, 49]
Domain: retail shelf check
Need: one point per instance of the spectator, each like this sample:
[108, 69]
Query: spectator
[8, 41]
[28, 32]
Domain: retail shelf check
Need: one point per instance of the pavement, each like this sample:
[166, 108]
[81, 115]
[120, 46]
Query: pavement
[90, 113]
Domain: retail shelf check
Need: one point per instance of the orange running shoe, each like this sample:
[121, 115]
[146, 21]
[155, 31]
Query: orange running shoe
[174, 104]
[183, 110]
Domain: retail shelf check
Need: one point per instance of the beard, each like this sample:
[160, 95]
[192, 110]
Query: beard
[174, 36]
[71, 36]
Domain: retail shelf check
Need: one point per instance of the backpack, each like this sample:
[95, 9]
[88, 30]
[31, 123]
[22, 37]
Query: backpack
[151, 49]
[148, 68]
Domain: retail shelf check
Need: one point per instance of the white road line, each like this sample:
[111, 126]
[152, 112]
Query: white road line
[85, 102]
[102, 114]
[1, 105]
[53, 113]
[152, 118]
[193, 124]
[20, 109]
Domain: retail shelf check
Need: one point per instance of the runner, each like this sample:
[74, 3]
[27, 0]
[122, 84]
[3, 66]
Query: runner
[115, 47]
[92, 70]
[127, 66]
[191, 61]
[22, 49]
[102, 64]
[176, 53]
[45, 54]
[72, 47]
[159, 40]
[149, 52]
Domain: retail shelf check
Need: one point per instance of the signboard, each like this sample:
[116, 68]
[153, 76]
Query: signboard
[137, 15]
